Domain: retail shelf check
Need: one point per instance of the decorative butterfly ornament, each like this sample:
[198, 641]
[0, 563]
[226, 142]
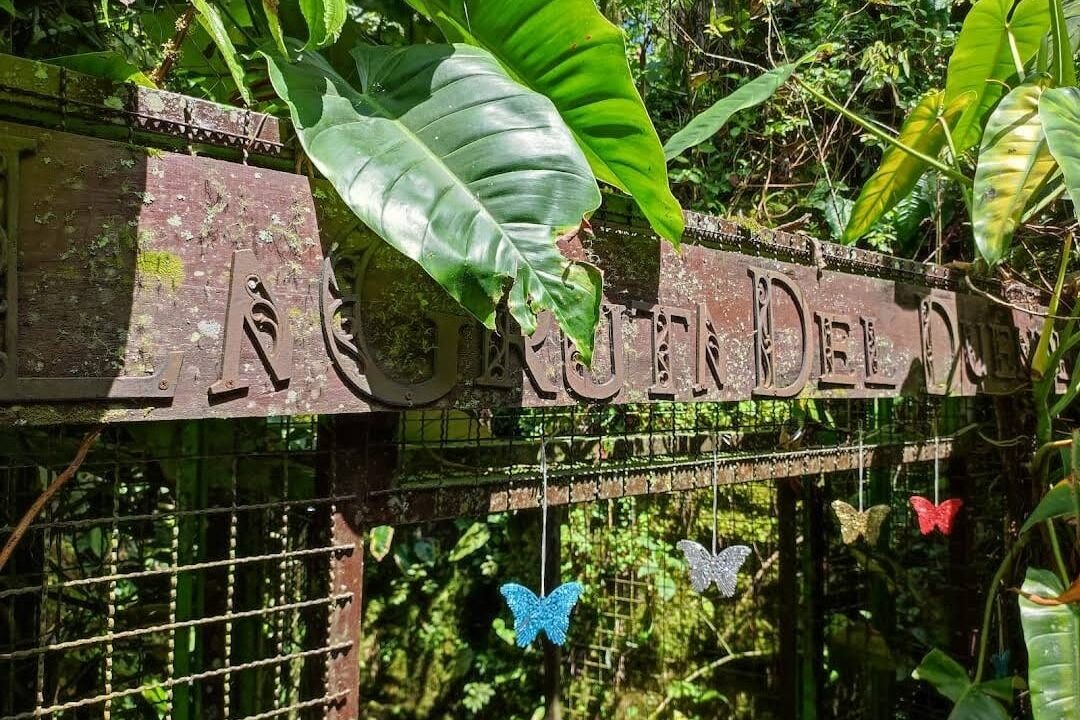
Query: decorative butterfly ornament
[550, 614]
[854, 523]
[936, 517]
[706, 568]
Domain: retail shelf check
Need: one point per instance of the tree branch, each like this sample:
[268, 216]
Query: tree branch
[43, 499]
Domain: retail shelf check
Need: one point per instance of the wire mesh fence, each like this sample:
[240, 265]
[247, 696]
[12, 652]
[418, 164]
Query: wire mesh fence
[183, 572]
[201, 569]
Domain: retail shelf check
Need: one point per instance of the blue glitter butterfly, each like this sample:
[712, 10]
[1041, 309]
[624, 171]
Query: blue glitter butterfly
[533, 614]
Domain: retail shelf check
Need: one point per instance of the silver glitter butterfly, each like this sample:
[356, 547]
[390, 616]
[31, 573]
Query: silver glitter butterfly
[706, 568]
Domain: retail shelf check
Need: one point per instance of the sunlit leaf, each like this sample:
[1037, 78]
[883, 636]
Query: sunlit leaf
[982, 59]
[211, 21]
[106, 64]
[1052, 634]
[273, 19]
[458, 167]
[472, 540]
[1059, 109]
[567, 50]
[1014, 163]
[380, 541]
[899, 170]
[710, 121]
[1062, 67]
[324, 18]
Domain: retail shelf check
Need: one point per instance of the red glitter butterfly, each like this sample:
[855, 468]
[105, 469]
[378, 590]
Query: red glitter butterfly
[936, 516]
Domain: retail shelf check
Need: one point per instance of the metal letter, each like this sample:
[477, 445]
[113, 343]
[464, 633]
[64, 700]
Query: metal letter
[252, 308]
[764, 346]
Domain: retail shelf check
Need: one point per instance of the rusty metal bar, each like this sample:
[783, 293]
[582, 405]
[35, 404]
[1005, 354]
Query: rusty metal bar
[425, 501]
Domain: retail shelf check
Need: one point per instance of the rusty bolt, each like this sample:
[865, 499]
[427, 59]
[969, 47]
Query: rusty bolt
[163, 385]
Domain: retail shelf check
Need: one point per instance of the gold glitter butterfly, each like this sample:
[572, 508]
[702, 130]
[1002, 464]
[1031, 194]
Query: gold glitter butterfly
[854, 523]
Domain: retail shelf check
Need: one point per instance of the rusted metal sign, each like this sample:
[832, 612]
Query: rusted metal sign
[146, 284]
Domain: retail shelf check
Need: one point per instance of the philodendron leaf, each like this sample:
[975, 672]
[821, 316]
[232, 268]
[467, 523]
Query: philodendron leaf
[1059, 109]
[211, 21]
[567, 50]
[460, 168]
[982, 59]
[900, 171]
[710, 121]
[324, 19]
[1052, 634]
[1014, 163]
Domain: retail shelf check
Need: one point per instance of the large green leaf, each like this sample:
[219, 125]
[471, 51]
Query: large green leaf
[1014, 163]
[107, 64]
[970, 701]
[568, 51]
[899, 170]
[460, 168]
[982, 59]
[211, 21]
[324, 18]
[1052, 634]
[710, 121]
[1059, 109]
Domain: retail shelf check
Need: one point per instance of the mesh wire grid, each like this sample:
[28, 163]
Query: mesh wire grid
[183, 572]
[186, 571]
[642, 644]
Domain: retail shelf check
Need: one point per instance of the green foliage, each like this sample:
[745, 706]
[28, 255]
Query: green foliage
[925, 129]
[324, 18]
[458, 167]
[1063, 67]
[581, 65]
[1059, 111]
[108, 64]
[1054, 504]
[1014, 164]
[380, 541]
[984, 60]
[970, 701]
[710, 122]
[210, 19]
[1052, 634]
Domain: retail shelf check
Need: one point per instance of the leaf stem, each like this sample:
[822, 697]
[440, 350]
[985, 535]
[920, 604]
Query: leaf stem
[988, 609]
[1059, 559]
[1015, 53]
[882, 135]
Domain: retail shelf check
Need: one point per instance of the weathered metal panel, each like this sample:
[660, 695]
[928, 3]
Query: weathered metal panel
[149, 284]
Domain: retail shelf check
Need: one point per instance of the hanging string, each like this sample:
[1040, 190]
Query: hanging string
[860, 467]
[937, 499]
[715, 472]
[544, 518]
